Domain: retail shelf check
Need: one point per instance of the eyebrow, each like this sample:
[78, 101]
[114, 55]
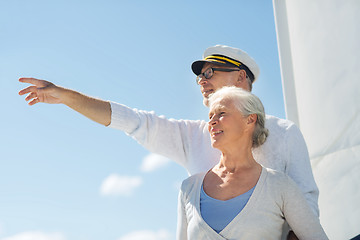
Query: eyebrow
[211, 114]
[217, 109]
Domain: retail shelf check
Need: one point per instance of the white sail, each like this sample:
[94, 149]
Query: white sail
[319, 48]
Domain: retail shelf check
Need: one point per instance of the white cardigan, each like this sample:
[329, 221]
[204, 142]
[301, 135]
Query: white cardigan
[275, 198]
[188, 143]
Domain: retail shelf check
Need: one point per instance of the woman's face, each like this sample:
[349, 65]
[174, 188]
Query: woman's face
[227, 126]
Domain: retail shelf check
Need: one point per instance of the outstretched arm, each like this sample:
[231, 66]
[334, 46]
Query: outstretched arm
[179, 140]
[43, 91]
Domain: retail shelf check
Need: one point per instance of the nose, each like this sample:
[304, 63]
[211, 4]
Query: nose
[213, 121]
[202, 81]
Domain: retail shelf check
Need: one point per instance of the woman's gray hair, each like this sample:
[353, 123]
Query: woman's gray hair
[247, 103]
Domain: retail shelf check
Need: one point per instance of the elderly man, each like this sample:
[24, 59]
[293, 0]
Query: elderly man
[187, 141]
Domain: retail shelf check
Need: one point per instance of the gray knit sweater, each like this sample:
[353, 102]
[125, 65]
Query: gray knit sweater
[275, 199]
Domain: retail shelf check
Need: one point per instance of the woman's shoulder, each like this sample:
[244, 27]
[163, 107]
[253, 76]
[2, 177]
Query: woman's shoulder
[276, 177]
[192, 182]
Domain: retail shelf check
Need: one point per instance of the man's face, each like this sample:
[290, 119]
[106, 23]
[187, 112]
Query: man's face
[221, 79]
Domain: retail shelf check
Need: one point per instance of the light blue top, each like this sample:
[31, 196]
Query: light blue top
[217, 213]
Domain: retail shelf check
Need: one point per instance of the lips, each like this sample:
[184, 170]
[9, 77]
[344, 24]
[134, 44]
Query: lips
[216, 132]
[207, 92]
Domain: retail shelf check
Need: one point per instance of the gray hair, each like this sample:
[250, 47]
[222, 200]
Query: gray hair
[247, 103]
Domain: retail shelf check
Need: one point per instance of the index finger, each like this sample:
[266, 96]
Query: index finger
[33, 81]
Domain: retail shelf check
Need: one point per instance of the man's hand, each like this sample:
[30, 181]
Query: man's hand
[47, 92]
[41, 91]
[292, 236]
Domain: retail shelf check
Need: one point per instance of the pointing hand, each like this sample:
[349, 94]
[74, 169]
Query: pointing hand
[41, 91]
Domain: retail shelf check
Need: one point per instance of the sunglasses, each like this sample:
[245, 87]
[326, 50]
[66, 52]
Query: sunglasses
[210, 72]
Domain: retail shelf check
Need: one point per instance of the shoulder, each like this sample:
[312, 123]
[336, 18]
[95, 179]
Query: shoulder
[280, 123]
[191, 183]
[281, 182]
[271, 173]
[284, 127]
[276, 178]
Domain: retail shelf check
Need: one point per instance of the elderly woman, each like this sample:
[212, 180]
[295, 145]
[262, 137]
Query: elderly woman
[238, 198]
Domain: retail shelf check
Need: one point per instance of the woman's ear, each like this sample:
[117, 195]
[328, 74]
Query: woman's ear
[252, 118]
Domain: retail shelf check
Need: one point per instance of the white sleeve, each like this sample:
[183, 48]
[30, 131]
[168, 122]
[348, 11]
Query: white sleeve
[182, 224]
[300, 217]
[168, 137]
[298, 166]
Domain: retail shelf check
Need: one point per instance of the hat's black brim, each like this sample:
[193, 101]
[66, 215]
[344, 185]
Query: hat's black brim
[198, 65]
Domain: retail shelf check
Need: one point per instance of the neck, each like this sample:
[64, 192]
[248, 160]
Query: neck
[237, 158]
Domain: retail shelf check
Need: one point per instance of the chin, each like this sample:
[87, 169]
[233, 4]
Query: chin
[206, 102]
[214, 144]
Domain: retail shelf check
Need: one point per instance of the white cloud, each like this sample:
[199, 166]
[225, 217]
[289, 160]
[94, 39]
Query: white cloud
[148, 235]
[152, 162]
[119, 185]
[35, 235]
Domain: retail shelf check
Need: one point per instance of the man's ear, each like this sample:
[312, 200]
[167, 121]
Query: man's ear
[242, 75]
[241, 81]
[252, 118]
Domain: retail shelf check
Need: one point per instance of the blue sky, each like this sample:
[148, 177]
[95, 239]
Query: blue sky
[55, 163]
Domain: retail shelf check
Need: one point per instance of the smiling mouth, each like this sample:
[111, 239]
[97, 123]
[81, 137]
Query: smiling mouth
[215, 133]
